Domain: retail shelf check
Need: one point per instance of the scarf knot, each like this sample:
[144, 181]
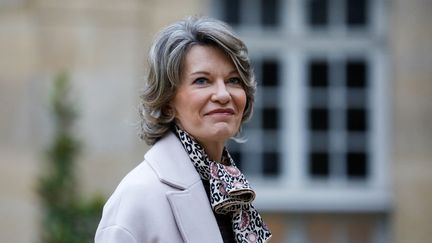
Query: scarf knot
[231, 186]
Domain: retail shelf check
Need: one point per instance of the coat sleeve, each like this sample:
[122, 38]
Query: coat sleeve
[114, 234]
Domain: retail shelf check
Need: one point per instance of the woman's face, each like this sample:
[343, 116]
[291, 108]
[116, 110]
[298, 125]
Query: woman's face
[210, 99]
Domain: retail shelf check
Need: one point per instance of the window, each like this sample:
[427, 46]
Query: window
[319, 164]
[257, 13]
[269, 12]
[270, 73]
[336, 103]
[318, 73]
[318, 119]
[348, 14]
[317, 13]
[317, 139]
[231, 11]
[356, 12]
[338, 114]
[320, 67]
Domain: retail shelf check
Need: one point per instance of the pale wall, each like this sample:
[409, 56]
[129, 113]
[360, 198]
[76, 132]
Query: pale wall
[102, 45]
[411, 40]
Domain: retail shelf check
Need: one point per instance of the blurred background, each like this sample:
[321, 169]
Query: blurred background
[340, 145]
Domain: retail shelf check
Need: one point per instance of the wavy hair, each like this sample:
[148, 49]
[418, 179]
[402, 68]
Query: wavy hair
[165, 63]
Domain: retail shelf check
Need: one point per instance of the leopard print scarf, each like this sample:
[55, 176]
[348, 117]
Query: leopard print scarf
[229, 190]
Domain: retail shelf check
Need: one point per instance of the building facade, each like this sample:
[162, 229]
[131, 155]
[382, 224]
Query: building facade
[318, 142]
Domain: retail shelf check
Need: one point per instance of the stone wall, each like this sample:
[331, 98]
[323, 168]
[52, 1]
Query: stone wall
[411, 40]
[103, 46]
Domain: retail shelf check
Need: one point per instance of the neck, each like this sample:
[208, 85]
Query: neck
[213, 150]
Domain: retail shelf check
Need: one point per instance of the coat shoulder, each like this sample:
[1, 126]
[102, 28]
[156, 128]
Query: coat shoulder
[138, 205]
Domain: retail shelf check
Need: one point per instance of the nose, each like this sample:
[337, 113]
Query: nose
[221, 93]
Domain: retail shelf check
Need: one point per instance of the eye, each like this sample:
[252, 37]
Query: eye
[200, 81]
[235, 81]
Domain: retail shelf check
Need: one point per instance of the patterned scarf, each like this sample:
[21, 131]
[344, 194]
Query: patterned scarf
[229, 190]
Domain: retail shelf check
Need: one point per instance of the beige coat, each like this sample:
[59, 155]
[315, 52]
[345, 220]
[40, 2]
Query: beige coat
[161, 200]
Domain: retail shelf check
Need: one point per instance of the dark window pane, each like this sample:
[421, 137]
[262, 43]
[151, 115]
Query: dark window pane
[318, 73]
[357, 165]
[319, 164]
[270, 163]
[269, 12]
[318, 119]
[356, 74]
[356, 12]
[231, 11]
[317, 13]
[270, 73]
[356, 119]
[236, 156]
[270, 118]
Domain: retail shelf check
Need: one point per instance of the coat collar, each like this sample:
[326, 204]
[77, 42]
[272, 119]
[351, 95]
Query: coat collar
[171, 163]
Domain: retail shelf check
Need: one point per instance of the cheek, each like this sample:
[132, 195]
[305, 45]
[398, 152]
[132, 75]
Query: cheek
[180, 111]
[242, 102]
[188, 106]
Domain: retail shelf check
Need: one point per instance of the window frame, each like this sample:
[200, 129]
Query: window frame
[293, 189]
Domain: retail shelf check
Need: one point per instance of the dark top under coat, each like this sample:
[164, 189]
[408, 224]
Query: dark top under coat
[223, 220]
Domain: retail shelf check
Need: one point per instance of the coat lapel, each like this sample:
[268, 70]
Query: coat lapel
[194, 215]
[190, 205]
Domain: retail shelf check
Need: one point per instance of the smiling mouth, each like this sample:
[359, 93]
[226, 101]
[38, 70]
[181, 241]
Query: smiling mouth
[221, 112]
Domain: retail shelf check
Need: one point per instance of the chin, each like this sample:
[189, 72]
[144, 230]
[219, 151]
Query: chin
[223, 132]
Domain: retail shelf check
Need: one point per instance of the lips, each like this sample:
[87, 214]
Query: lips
[224, 111]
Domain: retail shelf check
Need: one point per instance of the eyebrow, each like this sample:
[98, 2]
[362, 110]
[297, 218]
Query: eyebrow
[200, 73]
[207, 73]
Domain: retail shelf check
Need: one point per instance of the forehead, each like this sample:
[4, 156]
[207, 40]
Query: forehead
[207, 58]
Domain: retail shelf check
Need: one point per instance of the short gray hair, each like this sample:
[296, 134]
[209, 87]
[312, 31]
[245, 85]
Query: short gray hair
[165, 68]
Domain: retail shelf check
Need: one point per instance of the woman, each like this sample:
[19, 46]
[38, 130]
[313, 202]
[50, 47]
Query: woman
[199, 91]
